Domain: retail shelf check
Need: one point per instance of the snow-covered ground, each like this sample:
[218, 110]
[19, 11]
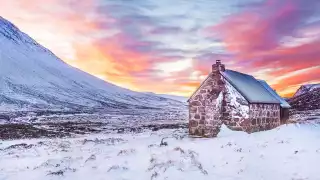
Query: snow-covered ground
[309, 116]
[290, 152]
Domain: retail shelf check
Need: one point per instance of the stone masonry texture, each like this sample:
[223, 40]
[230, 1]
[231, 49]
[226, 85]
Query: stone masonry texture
[217, 102]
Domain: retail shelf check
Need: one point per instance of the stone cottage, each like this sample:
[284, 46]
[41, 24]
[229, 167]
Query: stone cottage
[237, 100]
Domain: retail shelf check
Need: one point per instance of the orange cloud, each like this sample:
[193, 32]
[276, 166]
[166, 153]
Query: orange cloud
[56, 24]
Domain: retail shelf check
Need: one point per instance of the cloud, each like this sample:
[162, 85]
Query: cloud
[261, 27]
[165, 30]
[255, 36]
[56, 24]
[135, 43]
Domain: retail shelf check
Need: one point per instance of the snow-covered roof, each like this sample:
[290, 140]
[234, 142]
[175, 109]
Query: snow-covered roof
[249, 87]
[284, 103]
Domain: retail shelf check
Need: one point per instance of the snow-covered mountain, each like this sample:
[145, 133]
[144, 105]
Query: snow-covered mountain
[31, 76]
[306, 98]
[306, 88]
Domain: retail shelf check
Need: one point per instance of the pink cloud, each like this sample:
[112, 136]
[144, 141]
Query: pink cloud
[254, 37]
[76, 31]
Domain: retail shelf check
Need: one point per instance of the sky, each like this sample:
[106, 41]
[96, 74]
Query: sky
[166, 46]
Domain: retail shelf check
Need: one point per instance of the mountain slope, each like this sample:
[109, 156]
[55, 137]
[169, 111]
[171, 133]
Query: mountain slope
[306, 98]
[169, 96]
[33, 77]
[306, 88]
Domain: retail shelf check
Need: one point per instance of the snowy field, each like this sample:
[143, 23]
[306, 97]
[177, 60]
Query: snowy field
[290, 152]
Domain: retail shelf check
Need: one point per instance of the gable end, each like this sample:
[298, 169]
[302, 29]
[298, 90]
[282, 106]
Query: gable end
[199, 88]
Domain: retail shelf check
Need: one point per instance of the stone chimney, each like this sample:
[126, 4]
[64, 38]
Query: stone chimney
[218, 67]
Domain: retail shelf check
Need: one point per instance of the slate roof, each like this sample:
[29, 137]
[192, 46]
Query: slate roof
[250, 87]
[253, 90]
[283, 102]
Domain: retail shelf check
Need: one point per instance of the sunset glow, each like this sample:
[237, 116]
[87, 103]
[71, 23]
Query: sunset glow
[168, 46]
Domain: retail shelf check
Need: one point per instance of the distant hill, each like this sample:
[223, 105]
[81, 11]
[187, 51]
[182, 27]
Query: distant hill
[306, 88]
[307, 97]
[174, 97]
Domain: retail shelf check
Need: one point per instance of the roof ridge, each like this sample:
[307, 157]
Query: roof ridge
[199, 86]
[240, 72]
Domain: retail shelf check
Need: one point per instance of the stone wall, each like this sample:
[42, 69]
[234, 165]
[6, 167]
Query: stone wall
[217, 102]
[235, 109]
[264, 117]
[205, 107]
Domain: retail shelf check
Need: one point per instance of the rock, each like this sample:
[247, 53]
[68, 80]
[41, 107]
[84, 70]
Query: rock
[195, 103]
[57, 173]
[201, 109]
[163, 143]
[193, 123]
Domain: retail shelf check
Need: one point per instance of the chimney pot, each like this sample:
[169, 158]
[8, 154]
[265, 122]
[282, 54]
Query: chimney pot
[218, 66]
